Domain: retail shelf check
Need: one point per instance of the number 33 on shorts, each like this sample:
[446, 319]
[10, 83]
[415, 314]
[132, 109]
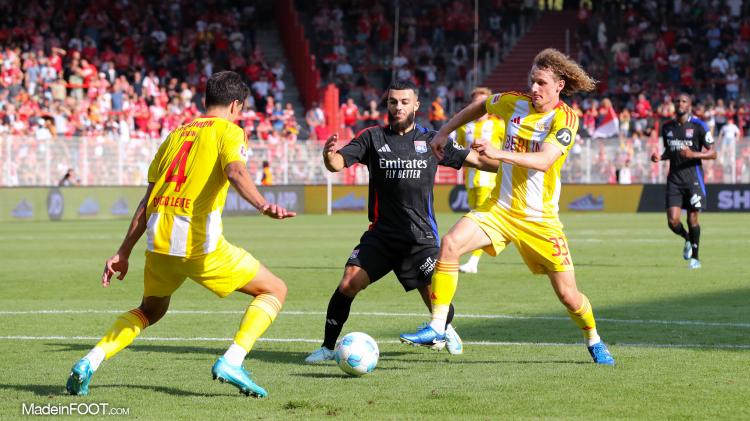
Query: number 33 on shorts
[560, 250]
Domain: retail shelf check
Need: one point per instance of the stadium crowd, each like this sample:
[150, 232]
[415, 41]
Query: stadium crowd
[137, 69]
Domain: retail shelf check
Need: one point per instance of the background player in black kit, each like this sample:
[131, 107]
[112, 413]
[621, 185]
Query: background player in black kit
[403, 235]
[685, 139]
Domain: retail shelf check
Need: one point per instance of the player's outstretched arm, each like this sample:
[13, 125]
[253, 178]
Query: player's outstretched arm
[481, 163]
[118, 263]
[240, 180]
[472, 112]
[333, 160]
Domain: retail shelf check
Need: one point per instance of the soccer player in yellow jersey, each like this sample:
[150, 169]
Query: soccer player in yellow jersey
[522, 210]
[479, 184]
[181, 216]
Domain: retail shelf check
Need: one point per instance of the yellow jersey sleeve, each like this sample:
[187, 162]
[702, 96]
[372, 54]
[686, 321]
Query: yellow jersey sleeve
[562, 134]
[233, 146]
[501, 105]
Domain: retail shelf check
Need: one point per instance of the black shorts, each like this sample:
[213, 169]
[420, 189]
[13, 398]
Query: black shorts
[412, 263]
[690, 196]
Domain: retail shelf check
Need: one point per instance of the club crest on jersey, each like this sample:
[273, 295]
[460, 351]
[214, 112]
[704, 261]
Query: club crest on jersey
[420, 146]
[689, 133]
[541, 126]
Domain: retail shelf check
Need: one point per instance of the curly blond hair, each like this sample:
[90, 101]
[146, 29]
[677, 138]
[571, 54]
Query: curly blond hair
[576, 79]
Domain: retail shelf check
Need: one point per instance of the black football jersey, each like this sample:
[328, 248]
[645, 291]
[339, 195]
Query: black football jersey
[693, 134]
[402, 175]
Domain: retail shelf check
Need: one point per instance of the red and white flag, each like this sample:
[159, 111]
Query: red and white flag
[609, 126]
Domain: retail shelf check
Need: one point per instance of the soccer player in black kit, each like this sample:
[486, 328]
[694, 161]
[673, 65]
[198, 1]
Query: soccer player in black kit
[403, 235]
[687, 141]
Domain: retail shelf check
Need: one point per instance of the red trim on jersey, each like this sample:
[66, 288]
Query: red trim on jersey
[363, 130]
[375, 213]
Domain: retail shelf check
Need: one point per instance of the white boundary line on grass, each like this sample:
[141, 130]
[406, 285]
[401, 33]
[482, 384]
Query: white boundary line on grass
[375, 313]
[304, 340]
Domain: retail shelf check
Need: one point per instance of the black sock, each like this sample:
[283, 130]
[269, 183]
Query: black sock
[695, 238]
[679, 229]
[338, 311]
[451, 312]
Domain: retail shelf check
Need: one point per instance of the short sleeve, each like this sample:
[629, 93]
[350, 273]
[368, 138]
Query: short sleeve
[454, 155]
[564, 129]
[153, 169]
[233, 146]
[497, 104]
[357, 150]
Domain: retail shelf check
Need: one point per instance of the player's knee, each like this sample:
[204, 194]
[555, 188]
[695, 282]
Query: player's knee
[279, 290]
[673, 223]
[351, 286]
[449, 247]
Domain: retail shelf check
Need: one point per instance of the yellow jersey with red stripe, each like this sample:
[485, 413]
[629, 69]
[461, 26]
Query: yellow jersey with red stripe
[524, 192]
[190, 186]
[491, 129]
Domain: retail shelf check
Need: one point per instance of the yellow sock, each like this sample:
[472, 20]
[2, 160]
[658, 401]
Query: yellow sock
[477, 253]
[444, 284]
[259, 315]
[123, 332]
[584, 319]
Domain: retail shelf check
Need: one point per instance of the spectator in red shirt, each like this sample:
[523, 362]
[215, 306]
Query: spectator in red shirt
[350, 113]
[643, 112]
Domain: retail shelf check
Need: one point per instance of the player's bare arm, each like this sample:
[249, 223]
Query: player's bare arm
[118, 263]
[540, 161]
[655, 157]
[240, 180]
[482, 163]
[707, 153]
[333, 160]
[472, 112]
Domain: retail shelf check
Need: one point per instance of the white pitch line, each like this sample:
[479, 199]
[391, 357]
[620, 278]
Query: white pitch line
[376, 313]
[305, 340]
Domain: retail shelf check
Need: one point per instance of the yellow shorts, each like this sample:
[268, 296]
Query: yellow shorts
[221, 271]
[542, 245]
[477, 196]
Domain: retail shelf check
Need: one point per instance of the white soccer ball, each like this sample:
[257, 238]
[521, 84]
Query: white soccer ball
[357, 354]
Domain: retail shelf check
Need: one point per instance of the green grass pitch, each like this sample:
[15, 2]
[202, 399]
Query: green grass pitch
[681, 338]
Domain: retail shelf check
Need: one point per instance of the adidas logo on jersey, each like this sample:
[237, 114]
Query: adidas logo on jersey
[670, 134]
[385, 148]
[516, 120]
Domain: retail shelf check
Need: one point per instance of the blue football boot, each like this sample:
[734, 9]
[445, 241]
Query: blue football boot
[80, 377]
[425, 336]
[237, 376]
[600, 354]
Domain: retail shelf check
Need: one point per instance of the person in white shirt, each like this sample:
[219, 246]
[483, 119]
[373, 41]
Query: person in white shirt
[625, 176]
[728, 137]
